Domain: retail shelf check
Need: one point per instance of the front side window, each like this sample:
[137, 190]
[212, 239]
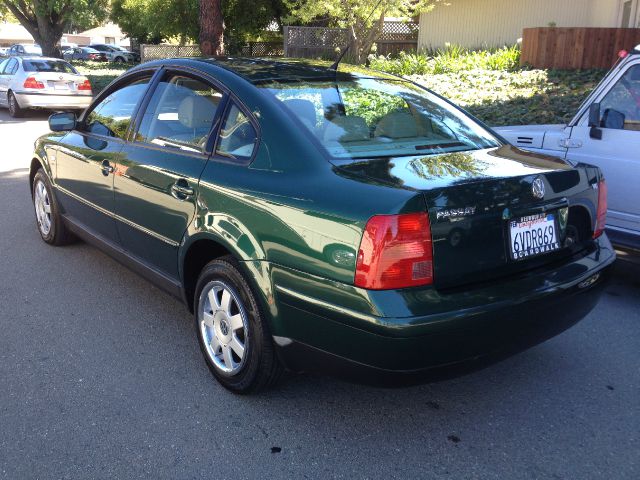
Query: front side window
[372, 117]
[113, 115]
[180, 114]
[3, 65]
[238, 137]
[620, 108]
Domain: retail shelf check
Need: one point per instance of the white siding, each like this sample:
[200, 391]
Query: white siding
[492, 23]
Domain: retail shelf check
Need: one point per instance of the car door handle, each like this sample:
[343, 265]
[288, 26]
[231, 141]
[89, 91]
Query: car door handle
[106, 168]
[181, 190]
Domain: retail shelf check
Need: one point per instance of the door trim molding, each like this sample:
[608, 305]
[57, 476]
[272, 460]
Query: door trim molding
[119, 218]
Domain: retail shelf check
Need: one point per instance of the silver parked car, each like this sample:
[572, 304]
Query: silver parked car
[41, 82]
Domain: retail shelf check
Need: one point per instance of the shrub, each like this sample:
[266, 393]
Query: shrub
[451, 59]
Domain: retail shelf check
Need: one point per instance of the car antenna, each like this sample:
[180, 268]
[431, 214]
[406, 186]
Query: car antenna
[334, 67]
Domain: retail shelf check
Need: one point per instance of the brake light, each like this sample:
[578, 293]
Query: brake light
[31, 82]
[601, 215]
[86, 85]
[395, 252]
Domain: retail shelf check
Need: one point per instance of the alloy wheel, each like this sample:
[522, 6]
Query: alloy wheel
[223, 326]
[42, 204]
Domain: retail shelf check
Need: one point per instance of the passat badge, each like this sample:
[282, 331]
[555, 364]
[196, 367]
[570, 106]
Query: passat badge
[537, 188]
[455, 212]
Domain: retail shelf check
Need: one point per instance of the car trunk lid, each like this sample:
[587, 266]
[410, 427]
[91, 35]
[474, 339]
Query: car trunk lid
[480, 201]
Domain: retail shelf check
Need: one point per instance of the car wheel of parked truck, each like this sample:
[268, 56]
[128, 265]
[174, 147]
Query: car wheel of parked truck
[233, 336]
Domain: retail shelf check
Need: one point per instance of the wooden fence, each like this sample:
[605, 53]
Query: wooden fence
[575, 48]
[321, 42]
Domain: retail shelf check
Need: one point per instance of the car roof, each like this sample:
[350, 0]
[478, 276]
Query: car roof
[261, 70]
[40, 57]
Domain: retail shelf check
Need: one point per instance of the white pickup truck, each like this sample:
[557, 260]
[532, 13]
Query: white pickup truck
[604, 132]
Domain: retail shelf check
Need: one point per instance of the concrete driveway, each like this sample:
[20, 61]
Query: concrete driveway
[101, 377]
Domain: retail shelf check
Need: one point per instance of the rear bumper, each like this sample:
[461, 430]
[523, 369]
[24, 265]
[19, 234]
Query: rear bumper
[507, 317]
[47, 100]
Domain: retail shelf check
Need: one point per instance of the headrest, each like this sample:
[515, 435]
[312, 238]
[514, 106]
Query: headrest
[303, 109]
[196, 111]
[397, 125]
[348, 128]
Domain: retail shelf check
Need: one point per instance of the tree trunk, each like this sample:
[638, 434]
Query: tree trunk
[211, 28]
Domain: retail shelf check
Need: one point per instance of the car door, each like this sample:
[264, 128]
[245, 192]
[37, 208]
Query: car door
[617, 152]
[157, 176]
[86, 158]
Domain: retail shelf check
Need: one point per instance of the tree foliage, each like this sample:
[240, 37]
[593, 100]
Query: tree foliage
[152, 21]
[363, 19]
[46, 20]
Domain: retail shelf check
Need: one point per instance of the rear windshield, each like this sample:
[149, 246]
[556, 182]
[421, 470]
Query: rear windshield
[372, 117]
[33, 49]
[48, 66]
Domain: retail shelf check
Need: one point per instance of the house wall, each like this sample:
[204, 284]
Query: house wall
[494, 23]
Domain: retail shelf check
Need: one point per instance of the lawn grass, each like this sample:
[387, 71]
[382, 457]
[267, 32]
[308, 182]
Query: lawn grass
[100, 74]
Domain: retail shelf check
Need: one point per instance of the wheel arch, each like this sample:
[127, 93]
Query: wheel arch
[199, 250]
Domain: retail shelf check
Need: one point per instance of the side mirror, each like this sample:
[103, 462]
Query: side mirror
[62, 122]
[613, 119]
[594, 121]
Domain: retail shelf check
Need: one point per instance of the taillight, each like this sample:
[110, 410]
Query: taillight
[395, 252]
[601, 215]
[31, 82]
[86, 85]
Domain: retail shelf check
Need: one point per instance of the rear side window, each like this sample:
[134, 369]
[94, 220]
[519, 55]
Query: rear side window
[11, 67]
[238, 137]
[112, 116]
[47, 66]
[180, 114]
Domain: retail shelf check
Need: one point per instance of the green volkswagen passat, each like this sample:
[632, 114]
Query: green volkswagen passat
[312, 219]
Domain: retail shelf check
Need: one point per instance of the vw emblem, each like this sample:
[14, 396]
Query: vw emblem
[537, 188]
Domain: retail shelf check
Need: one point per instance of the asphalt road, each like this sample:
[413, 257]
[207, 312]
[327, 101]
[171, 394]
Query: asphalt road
[101, 377]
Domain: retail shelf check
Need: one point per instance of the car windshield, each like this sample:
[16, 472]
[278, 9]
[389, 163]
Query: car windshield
[33, 49]
[374, 117]
[48, 66]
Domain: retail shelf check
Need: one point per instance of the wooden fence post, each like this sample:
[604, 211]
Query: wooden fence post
[286, 40]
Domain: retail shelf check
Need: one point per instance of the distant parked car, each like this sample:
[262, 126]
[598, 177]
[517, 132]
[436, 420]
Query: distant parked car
[604, 132]
[84, 53]
[3, 51]
[115, 53]
[41, 82]
[22, 49]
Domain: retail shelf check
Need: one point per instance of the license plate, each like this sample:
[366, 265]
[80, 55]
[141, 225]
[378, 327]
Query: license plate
[60, 86]
[533, 235]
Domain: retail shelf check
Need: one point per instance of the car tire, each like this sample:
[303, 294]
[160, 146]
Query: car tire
[48, 218]
[234, 336]
[14, 107]
[118, 60]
